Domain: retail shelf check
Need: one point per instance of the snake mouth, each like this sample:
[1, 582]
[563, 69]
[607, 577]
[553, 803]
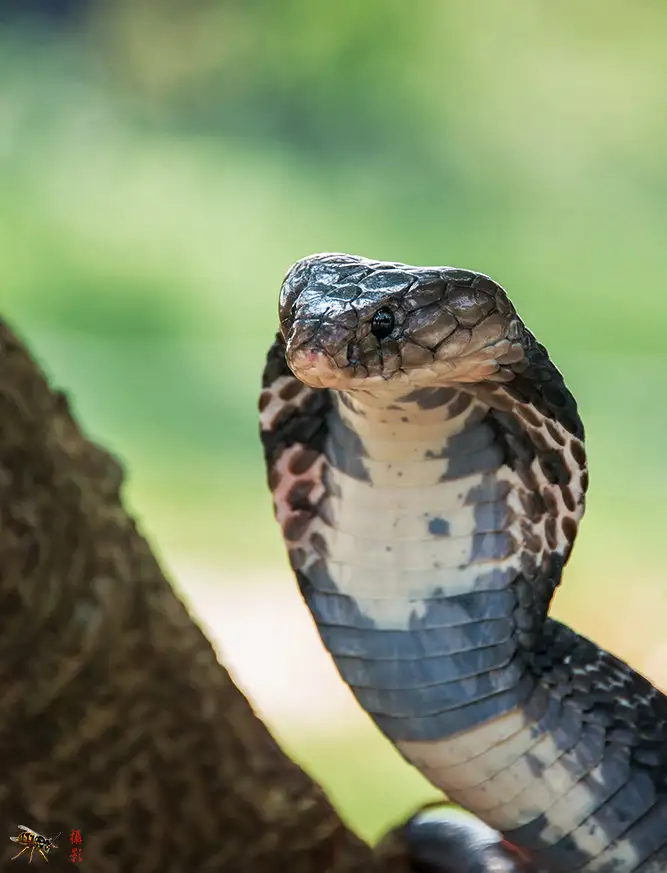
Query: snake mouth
[317, 369]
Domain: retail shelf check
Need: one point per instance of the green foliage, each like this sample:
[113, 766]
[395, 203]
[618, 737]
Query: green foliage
[144, 254]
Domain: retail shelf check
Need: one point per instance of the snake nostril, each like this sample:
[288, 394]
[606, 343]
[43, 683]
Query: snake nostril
[352, 355]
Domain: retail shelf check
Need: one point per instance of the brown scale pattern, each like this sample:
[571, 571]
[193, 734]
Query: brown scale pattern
[293, 430]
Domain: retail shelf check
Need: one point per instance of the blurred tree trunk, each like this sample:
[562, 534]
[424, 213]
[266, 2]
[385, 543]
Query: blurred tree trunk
[115, 717]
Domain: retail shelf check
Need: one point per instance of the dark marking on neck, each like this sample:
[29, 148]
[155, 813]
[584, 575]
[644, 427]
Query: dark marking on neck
[303, 422]
[537, 382]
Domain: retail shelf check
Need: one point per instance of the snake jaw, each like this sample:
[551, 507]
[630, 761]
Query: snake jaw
[415, 366]
[315, 368]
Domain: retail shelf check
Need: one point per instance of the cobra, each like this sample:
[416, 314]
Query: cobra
[428, 472]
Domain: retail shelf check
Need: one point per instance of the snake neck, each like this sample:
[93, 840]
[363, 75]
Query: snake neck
[443, 526]
[436, 501]
[419, 508]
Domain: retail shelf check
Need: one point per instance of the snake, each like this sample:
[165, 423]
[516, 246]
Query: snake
[428, 471]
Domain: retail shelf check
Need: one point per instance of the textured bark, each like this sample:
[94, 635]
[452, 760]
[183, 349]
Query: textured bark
[115, 717]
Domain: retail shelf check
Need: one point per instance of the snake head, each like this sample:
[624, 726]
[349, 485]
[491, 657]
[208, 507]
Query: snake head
[349, 322]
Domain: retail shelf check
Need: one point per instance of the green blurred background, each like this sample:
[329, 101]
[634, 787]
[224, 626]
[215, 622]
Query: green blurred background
[163, 162]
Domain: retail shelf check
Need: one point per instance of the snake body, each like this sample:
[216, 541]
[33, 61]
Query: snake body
[428, 472]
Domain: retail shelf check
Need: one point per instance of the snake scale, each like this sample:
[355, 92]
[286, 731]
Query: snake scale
[428, 472]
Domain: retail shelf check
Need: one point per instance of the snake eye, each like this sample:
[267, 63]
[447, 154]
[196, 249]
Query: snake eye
[382, 323]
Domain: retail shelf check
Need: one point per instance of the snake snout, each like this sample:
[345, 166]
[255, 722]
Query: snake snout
[316, 353]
